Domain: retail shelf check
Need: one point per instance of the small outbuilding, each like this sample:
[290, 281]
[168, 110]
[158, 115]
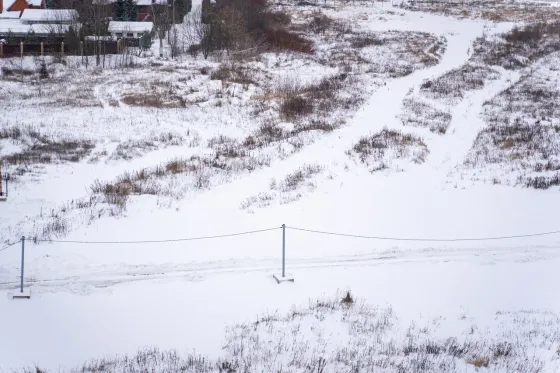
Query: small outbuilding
[119, 29]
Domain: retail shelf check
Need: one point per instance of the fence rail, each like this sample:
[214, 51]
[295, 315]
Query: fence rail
[87, 48]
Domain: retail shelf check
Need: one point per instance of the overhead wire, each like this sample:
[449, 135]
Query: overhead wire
[422, 239]
[8, 246]
[163, 241]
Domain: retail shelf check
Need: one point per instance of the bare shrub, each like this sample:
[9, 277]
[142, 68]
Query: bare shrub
[374, 341]
[14, 132]
[496, 11]
[379, 149]
[348, 299]
[363, 41]
[198, 171]
[286, 40]
[314, 125]
[541, 182]
[320, 22]
[135, 148]
[278, 18]
[454, 84]
[299, 100]
[232, 73]
[520, 46]
[420, 114]
[294, 180]
[295, 106]
[502, 350]
[51, 151]
[529, 146]
[158, 100]
[14, 71]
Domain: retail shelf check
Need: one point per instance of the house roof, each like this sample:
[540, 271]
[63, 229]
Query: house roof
[118, 26]
[10, 15]
[7, 5]
[138, 2]
[17, 27]
[55, 15]
[150, 2]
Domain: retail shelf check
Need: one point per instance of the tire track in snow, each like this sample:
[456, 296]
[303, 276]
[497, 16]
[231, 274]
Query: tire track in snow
[381, 110]
[104, 277]
[449, 150]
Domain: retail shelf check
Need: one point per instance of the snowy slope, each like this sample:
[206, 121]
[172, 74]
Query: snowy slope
[114, 298]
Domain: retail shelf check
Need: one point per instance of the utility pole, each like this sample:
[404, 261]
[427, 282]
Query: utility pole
[283, 277]
[6, 178]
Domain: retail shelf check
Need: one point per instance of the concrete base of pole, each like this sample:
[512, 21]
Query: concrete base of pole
[17, 294]
[279, 279]
[3, 198]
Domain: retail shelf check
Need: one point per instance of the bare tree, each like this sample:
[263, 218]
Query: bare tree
[160, 17]
[94, 16]
[196, 33]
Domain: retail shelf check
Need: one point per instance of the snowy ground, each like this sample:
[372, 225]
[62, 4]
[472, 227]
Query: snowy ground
[106, 299]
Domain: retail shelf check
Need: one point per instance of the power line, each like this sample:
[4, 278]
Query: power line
[296, 229]
[162, 241]
[423, 239]
[10, 245]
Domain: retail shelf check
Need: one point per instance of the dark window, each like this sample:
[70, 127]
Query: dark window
[129, 34]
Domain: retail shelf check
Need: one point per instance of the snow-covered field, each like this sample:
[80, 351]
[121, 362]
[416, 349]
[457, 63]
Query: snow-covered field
[407, 130]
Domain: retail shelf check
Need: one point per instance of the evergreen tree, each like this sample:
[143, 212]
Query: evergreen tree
[182, 7]
[131, 10]
[31, 38]
[72, 40]
[10, 38]
[50, 4]
[145, 42]
[120, 10]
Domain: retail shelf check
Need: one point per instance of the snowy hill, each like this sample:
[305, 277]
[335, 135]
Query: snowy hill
[412, 159]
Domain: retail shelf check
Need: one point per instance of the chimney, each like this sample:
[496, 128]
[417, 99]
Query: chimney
[1, 6]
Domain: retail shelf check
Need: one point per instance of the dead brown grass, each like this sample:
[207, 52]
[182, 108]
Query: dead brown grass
[479, 361]
[152, 100]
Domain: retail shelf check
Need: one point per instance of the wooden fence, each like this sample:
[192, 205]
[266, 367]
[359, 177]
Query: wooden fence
[87, 48]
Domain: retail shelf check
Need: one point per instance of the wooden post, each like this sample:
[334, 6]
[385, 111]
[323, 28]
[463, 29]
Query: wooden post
[62, 50]
[21, 48]
[42, 49]
[1, 50]
[1, 192]
[82, 50]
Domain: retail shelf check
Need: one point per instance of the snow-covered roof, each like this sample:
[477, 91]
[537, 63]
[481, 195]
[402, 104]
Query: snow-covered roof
[118, 26]
[10, 15]
[138, 2]
[45, 15]
[17, 27]
[35, 2]
[7, 5]
[149, 2]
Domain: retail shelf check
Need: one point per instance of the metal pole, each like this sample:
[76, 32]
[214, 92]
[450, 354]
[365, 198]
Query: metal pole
[283, 250]
[22, 261]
